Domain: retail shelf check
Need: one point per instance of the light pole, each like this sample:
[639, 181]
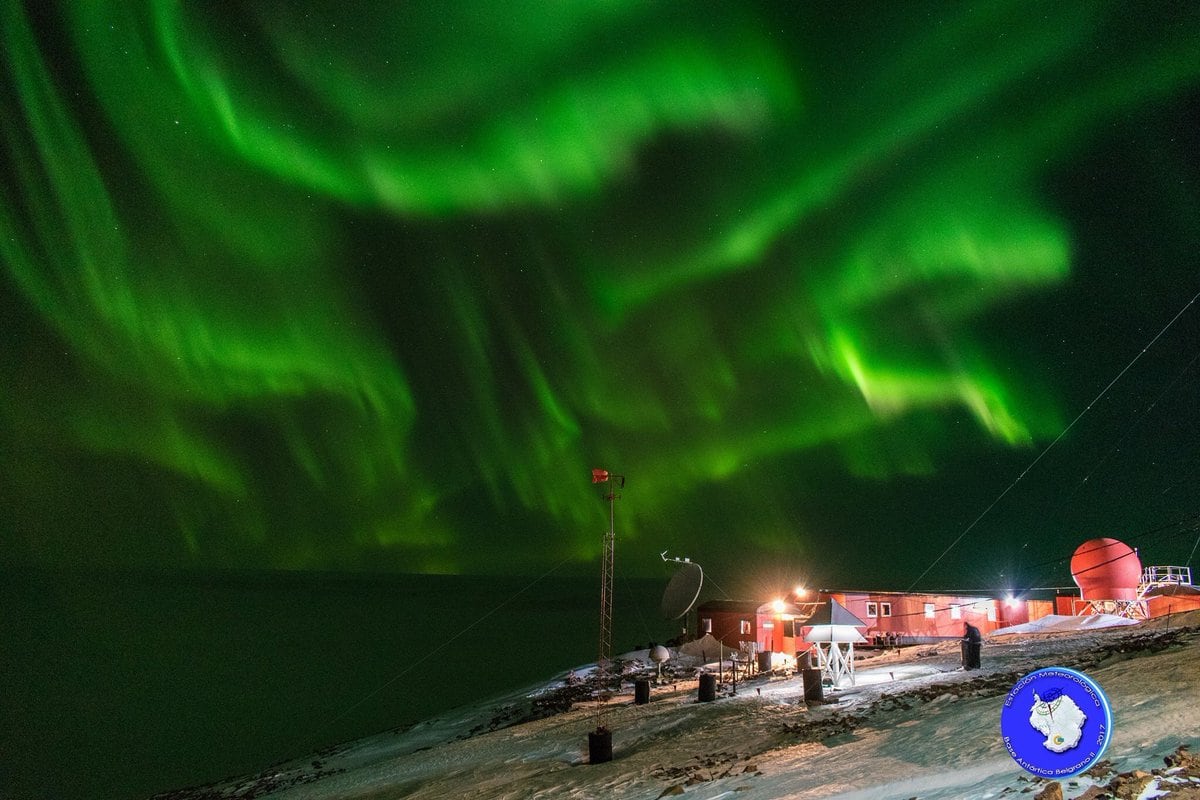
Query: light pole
[600, 740]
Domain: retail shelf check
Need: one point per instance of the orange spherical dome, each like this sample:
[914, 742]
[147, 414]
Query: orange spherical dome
[1106, 569]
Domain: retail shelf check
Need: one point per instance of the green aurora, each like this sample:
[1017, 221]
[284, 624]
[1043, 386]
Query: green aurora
[375, 285]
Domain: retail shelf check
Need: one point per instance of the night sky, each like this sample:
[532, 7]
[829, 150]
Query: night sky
[373, 286]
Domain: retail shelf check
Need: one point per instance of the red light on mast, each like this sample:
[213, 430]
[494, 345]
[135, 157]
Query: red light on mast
[599, 476]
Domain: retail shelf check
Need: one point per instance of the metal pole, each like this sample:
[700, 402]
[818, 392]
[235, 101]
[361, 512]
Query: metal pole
[604, 661]
[600, 740]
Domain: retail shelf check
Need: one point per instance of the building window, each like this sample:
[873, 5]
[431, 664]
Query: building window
[929, 611]
[991, 612]
[955, 612]
[789, 628]
[872, 609]
[744, 627]
[706, 625]
[885, 609]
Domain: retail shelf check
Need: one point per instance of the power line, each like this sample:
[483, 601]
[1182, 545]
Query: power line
[1057, 439]
[1193, 553]
[1176, 528]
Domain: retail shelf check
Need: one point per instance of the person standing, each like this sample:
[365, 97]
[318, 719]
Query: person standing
[972, 644]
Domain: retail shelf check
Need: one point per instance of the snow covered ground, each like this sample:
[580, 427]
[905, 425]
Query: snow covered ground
[1058, 623]
[914, 725]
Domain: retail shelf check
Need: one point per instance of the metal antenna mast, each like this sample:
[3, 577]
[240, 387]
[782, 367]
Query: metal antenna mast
[600, 741]
[606, 590]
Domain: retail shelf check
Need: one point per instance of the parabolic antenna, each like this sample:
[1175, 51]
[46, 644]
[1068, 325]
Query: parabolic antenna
[682, 590]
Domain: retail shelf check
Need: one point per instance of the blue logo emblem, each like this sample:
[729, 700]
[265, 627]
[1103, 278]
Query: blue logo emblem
[1056, 722]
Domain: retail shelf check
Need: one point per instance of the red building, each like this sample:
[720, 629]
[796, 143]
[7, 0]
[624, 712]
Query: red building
[733, 622]
[1108, 573]
[899, 617]
[781, 626]
[916, 618]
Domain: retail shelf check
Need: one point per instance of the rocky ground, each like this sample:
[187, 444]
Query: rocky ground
[1178, 778]
[909, 709]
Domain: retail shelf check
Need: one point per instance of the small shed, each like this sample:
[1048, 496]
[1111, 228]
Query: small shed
[830, 629]
[731, 621]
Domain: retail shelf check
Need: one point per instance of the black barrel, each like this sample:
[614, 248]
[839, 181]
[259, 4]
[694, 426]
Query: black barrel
[708, 687]
[641, 691]
[814, 692]
[764, 661]
[971, 654]
[600, 746]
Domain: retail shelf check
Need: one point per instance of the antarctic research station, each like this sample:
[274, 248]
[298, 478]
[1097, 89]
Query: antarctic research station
[1108, 574]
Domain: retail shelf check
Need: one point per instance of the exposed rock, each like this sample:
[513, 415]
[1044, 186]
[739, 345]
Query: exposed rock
[1053, 791]
[1182, 757]
[1128, 785]
[709, 768]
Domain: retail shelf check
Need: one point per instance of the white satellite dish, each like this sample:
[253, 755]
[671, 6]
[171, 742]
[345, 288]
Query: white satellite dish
[682, 590]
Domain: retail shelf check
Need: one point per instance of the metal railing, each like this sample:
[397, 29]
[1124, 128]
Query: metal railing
[1158, 576]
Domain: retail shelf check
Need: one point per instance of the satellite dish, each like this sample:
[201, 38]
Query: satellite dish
[682, 590]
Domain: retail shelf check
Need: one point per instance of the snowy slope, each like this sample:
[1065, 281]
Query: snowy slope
[913, 726]
[1058, 623]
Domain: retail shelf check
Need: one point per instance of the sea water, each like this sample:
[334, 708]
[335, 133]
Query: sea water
[122, 685]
